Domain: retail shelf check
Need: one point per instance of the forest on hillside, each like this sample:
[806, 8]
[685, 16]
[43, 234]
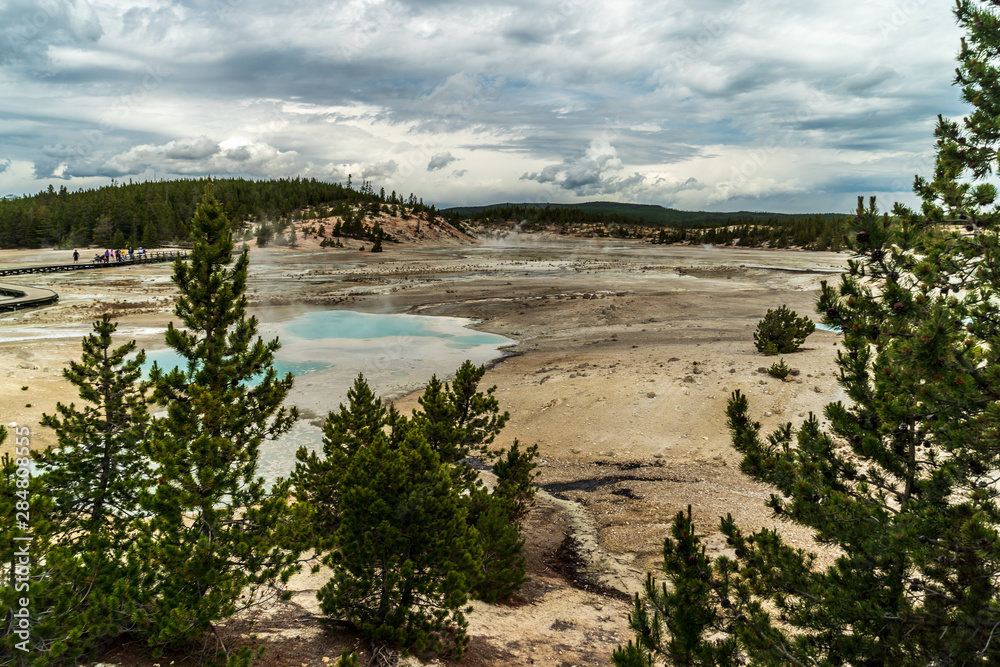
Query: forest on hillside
[818, 232]
[811, 232]
[150, 213]
[532, 216]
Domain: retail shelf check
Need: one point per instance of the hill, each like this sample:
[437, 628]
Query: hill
[154, 212]
[615, 212]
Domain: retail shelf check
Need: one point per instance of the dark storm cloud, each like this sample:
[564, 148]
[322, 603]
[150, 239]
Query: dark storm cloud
[28, 29]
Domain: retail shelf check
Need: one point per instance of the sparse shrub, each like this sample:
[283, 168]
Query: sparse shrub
[782, 331]
[348, 659]
[779, 370]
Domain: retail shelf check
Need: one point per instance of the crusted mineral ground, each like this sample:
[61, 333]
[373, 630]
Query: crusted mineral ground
[624, 357]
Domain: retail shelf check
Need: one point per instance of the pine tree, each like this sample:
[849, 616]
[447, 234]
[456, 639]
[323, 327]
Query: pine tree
[404, 557]
[458, 418]
[452, 421]
[499, 520]
[213, 543]
[782, 331]
[515, 471]
[317, 480]
[94, 468]
[672, 621]
[94, 476]
[502, 565]
[903, 482]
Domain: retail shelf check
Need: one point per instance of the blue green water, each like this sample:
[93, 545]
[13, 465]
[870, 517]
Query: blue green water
[326, 349]
[330, 326]
[168, 359]
[346, 324]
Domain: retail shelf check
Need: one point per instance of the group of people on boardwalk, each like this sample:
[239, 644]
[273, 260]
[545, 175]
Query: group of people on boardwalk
[116, 255]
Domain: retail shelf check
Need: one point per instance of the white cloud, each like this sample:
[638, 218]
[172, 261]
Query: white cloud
[839, 96]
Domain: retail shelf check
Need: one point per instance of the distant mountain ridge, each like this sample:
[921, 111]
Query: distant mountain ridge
[651, 214]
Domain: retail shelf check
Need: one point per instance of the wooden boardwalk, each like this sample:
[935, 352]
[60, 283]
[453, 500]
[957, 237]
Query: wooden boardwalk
[21, 296]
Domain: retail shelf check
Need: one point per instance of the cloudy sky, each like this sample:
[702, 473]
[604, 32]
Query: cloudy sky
[695, 104]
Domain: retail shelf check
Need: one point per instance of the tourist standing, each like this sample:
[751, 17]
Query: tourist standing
[76, 256]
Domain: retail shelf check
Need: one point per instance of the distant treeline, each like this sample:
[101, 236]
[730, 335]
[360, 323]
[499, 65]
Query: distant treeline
[814, 232]
[809, 232]
[617, 213]
[150, 213]
[541, 215]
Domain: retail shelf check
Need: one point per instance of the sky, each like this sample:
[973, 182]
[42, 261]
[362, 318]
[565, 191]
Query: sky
[759, 105]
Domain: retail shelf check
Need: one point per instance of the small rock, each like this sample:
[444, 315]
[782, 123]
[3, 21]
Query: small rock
[817, 390]
[650, 394]
[761, 370]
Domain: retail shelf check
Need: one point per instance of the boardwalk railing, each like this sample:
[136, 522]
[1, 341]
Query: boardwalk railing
[21, 296]
[148, 258]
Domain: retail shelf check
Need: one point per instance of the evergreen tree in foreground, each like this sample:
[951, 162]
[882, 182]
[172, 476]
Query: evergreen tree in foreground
[95, 470]
[94, 476]
[404, 557]
[213, 540]
[394, 505]
[317, 479]
[670, 621]
[904, 483]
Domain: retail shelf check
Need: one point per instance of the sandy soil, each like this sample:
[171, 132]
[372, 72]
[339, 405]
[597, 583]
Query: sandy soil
[626, 354]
